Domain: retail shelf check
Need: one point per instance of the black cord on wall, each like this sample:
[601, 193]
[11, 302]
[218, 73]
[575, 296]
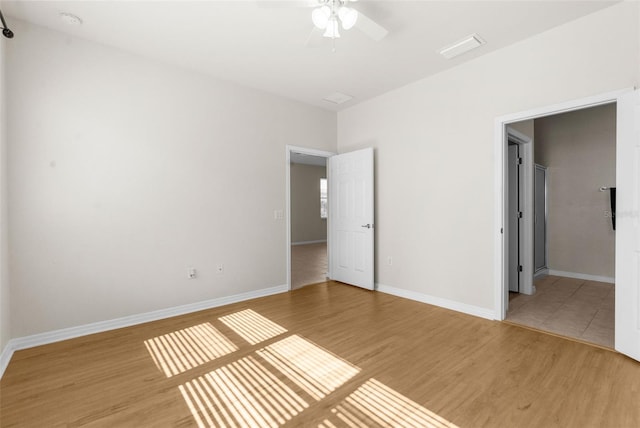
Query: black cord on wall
[5, 31]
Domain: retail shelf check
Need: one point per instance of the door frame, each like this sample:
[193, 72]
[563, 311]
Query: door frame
[525, 241]
[501, 291]
[311, 152]
[545, 268]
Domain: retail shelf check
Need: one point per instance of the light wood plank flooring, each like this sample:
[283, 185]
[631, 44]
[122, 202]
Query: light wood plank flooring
[577, 308]
[308, 264]
[327, 355]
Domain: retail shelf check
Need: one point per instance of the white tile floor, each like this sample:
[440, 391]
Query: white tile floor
[570, 307]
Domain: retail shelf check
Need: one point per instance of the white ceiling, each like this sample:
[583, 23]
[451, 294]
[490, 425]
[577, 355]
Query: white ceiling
[261, 44]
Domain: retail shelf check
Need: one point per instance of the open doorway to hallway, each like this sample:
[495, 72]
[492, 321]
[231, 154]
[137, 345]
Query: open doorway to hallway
[574, 288]
[308, 213]
[308, 264]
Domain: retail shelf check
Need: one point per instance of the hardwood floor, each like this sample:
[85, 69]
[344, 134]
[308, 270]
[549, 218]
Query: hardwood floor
[584, 310]
[308, 264]
[327, 355]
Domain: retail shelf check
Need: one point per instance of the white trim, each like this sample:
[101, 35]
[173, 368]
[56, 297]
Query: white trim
[526, 237]
[499, 178]
[584, 276]
[5, 357]
[565, 107]
[436, 301]
[541, 272]
[544, 169]
[320, 241]
[128, 321]
[306, 151]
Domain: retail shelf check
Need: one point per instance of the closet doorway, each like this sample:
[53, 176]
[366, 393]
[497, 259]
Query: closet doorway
[574, 239]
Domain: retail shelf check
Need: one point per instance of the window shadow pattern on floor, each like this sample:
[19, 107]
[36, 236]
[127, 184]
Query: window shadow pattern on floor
[283, 375]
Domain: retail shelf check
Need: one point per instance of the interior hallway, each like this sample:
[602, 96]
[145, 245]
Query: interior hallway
[570, 307]
[308, 264]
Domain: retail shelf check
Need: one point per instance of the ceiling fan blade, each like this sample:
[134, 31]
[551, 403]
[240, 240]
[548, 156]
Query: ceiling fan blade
[371, 28]
[278, 4]
[315, 38]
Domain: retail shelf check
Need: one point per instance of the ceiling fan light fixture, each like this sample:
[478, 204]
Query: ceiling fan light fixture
[332, 29]
[348, 17]
[320, 17]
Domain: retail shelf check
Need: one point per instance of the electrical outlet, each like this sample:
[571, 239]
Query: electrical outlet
[220, 269]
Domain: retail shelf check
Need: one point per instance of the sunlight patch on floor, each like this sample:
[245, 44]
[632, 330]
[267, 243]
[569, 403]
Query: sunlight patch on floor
[374, 404]
[241, 394]
[252, 327]
[276, 383]
[310, 367]
[182, 350]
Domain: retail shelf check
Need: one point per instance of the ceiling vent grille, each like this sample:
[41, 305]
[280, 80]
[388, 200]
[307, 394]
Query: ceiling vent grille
[465, 45]
[338, 98]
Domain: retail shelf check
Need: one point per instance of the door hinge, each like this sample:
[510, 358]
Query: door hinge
[519, 214]
[501, 230]
[519, 161]
[520, 268]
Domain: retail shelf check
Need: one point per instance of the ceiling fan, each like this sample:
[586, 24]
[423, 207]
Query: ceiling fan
[329, 15]
[5, 30]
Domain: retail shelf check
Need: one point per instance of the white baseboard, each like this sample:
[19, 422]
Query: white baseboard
[582, 276]
[5, 357]
[101, 326]
[437, 301]
[541, 272]
[321, 241]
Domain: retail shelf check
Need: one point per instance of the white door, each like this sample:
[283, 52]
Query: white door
[627, 327]
[514, 218]
[351, 218]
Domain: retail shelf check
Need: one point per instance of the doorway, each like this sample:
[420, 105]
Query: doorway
[307, 223]
[350, 215]
[574, 262]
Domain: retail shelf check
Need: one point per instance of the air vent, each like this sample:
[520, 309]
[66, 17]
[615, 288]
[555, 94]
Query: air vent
[337, 98]
[465, 45]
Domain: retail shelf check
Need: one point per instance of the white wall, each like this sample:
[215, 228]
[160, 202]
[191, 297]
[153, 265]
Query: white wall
[434, 147]
[579, 150]
[125, 172]
[306, 224]
[5, 332]
[524, 127]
